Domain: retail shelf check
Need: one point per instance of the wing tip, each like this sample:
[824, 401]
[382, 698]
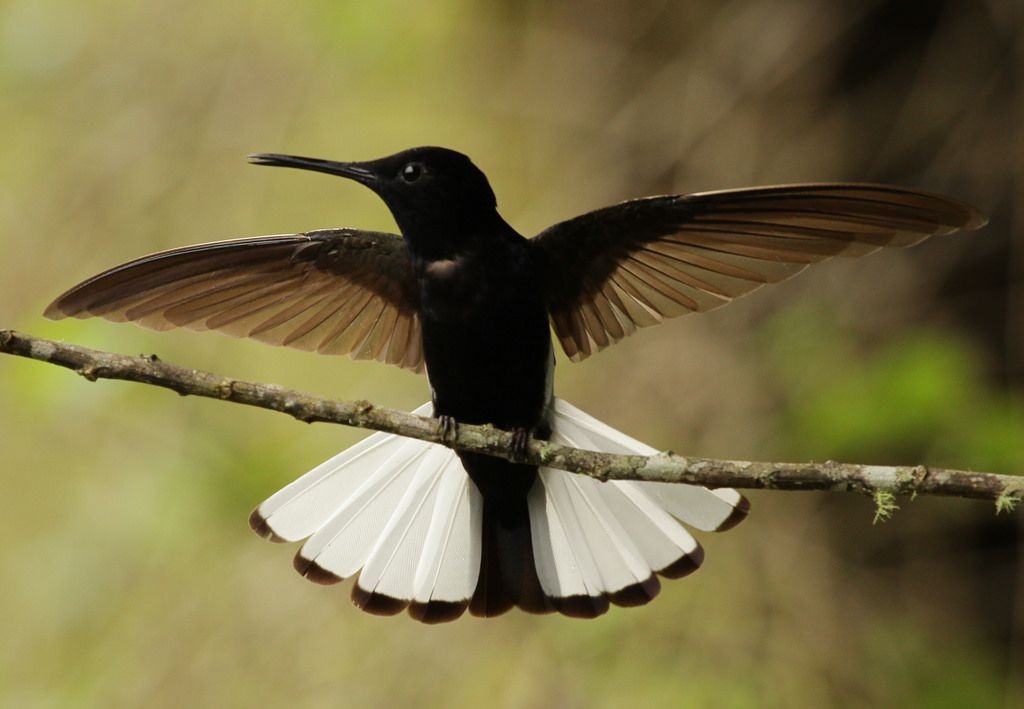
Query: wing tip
[54, 311]
[976, 219]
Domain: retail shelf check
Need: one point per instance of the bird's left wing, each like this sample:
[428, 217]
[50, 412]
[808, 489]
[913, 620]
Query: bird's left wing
[610, 271]
[335, 291]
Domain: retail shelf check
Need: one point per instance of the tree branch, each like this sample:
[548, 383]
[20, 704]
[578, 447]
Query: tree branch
[880, 481]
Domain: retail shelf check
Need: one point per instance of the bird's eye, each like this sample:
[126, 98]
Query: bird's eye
[412, 172]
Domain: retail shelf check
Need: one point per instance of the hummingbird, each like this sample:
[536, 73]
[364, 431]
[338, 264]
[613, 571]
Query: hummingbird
[461, 295]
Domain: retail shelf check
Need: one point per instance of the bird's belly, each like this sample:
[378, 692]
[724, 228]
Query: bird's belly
[496, 371]
[493, 370]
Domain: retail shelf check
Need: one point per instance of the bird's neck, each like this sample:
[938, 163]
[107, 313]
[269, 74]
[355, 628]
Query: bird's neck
[449, 235]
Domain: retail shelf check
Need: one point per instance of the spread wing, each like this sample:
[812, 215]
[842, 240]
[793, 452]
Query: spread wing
[336, 291]
[631, 265]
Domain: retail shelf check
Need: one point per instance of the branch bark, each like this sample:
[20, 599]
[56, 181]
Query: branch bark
[881, 481]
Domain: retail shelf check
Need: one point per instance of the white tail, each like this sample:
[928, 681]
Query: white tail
[404, 515]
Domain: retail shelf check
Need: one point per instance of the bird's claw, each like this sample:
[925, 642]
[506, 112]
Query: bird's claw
[448, 427]
[520, 443]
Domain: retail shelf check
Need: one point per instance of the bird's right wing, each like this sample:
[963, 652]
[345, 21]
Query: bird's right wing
[608, 272]
[335, 291]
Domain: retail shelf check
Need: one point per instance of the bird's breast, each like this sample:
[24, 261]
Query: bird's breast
[454, 289]
[486, 340]
[443, 269]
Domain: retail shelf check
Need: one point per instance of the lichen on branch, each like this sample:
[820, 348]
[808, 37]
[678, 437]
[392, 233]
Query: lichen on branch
[880, 481]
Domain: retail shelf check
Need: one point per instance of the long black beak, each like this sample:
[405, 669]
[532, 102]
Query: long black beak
[352, 170]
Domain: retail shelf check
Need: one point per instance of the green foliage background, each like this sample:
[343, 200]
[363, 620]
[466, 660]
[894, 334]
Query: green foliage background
[128, 575]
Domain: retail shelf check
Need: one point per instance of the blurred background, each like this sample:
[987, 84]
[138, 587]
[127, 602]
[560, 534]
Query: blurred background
[128, 574]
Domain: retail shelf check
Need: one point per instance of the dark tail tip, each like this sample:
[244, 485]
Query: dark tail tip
[434, 612]
[490, 599]
[508, 570]
[739, 514]
[376, 603]
[313, 571]
[637, 594]
[684, 565]
[260, 526]
[581, 606]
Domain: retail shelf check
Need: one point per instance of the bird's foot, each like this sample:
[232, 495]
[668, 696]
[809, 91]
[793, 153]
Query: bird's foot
[448, 427]
[520, 443]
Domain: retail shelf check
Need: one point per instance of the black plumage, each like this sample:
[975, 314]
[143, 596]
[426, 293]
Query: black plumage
[465, 294]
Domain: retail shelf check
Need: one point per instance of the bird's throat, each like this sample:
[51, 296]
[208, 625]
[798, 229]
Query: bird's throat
[440, 237]
[444, 268]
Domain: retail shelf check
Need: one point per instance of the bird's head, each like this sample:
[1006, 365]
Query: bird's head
[429, 190]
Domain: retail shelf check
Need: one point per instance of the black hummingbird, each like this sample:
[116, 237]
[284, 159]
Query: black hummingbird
[466, 296]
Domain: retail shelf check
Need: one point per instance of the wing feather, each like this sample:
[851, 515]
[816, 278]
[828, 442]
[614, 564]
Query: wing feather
[335, 291]
[631, 265]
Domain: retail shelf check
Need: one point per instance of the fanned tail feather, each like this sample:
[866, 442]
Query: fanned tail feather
[405, 519]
